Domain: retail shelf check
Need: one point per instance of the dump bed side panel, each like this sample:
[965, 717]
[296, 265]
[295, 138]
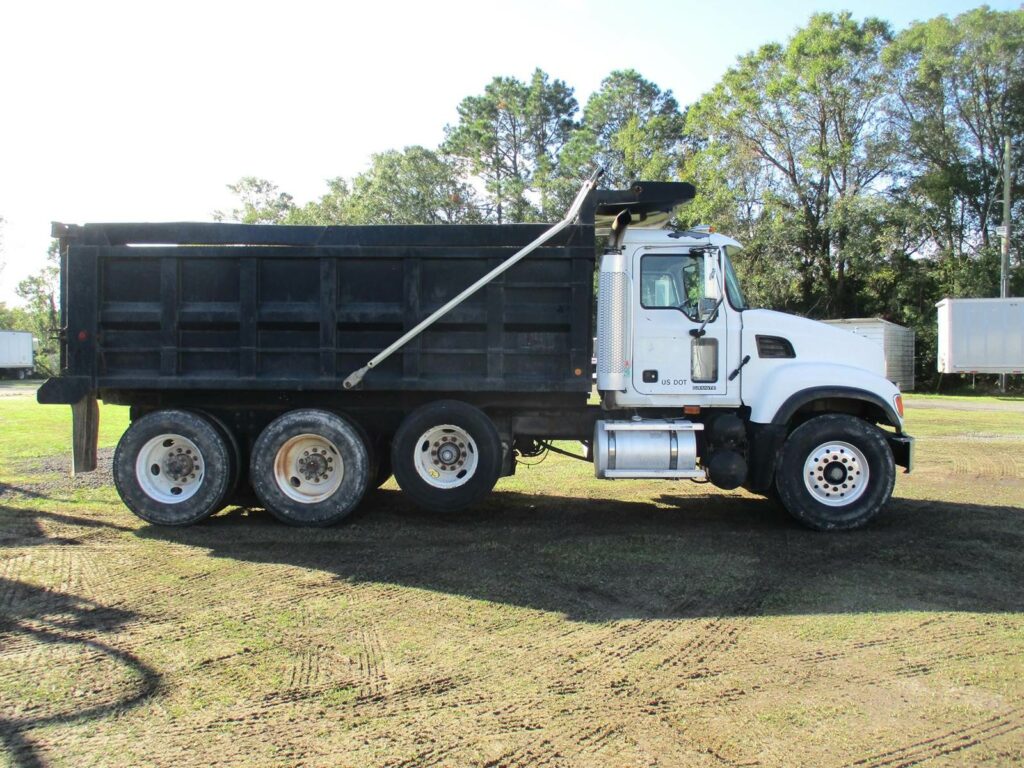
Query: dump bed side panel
[192, 306]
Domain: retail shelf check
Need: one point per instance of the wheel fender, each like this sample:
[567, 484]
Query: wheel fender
[783, 391]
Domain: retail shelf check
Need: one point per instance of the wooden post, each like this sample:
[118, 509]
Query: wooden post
[85, 428]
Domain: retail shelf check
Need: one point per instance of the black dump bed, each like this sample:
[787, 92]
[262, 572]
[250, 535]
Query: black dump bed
[236, 306]
[257, 307]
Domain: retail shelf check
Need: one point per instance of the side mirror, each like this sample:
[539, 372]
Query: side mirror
[707, 307]
[712, 284]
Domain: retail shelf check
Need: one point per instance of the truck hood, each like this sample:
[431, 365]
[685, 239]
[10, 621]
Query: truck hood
[813, 341]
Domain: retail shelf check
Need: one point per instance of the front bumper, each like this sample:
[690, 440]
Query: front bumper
[902, 447]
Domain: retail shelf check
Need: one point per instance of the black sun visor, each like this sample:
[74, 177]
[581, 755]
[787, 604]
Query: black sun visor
[648, 203]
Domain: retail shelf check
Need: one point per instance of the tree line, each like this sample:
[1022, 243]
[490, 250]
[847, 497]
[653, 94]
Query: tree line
[861, 168]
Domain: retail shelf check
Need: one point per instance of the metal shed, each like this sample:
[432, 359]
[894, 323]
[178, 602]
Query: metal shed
[897, 342]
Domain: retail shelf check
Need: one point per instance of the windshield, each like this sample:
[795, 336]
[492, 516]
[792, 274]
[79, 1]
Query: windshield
[732, 284]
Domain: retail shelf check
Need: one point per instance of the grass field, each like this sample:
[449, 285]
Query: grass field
[567, 622]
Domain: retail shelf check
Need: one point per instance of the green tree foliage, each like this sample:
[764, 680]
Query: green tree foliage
[41, 313]
[958, 88]
[509, 138]
[631, 128]
[331, 208]
[491, 140]
[414, 186]
[260, 202]
[793, 141]
[550, 110]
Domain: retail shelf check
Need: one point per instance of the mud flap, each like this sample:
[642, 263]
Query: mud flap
[85, 428]
[902, 447]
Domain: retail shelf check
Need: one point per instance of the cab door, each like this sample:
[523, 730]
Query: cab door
[675, 351]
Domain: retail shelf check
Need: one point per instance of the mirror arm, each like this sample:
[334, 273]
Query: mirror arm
[698, 332]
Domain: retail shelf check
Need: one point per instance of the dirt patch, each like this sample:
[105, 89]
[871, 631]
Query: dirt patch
[59, 480]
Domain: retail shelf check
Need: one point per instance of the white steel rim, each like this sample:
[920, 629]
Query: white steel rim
[308, 468]
[836, 473]
[446, 457]
[170, 468]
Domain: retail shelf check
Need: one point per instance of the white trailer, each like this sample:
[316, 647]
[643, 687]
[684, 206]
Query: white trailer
[16, 354]
[981, 335]
[896, 341]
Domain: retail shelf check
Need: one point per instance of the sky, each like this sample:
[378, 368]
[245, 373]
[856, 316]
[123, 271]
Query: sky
[145, 111]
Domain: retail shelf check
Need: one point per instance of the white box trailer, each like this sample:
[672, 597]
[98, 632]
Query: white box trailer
[16, 354]
[981, 335]
[896, 341]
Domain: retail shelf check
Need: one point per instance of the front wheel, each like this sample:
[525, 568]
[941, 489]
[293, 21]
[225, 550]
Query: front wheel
[836, 472]
[446, 456]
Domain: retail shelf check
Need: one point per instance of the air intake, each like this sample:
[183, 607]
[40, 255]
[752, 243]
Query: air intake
[613, 323]
[774, 346]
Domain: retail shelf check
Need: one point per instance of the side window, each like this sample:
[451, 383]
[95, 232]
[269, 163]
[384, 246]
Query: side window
[672, 282]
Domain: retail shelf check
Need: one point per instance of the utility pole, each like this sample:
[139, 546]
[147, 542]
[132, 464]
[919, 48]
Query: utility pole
[1004, 276]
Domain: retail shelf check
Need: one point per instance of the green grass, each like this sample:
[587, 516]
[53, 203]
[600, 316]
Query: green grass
[964, 398]
[31, 430]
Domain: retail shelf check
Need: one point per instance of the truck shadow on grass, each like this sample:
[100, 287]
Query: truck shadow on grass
[693, 556]
[35, 621]
[23, 526]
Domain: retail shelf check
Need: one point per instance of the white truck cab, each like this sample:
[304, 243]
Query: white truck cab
[781, 404]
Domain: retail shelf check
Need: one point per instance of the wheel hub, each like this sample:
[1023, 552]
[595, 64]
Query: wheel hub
[315, 465]
[836, 473]
[180, 464]
[446, 456]
[448, 452]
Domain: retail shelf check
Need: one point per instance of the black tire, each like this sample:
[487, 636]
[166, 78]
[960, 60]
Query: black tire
[234, 451]
[482, 452]
[306, 495]
[204, 492]
[825, 506]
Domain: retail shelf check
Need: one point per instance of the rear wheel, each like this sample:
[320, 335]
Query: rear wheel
[172, 468]
[446, 456]
[836, 472]
[310, 468]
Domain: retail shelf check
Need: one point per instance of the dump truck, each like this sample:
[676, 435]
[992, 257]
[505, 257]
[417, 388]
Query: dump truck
[304, 365]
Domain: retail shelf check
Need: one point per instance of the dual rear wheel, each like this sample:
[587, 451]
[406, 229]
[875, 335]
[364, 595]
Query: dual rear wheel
[308, 467]
[174, 467]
